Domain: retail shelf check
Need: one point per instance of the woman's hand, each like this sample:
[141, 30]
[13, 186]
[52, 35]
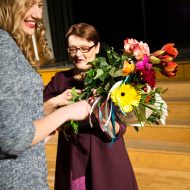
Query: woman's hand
[58, 101]
[64, 98]
[78, 111]
[49, 137]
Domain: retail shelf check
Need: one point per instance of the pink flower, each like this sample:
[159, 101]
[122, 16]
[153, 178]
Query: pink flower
[147, 72]
[144, 64]
[135, 48]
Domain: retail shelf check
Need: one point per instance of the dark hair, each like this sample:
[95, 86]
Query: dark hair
[83, 30]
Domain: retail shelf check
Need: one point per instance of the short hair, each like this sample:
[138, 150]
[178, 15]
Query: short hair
[83, 30]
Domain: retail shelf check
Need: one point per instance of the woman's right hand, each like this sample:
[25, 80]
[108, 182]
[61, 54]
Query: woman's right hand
[78, 110]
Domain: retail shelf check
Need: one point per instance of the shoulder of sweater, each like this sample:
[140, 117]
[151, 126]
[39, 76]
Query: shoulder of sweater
[3, 32]
[4, 35]
[7, 41]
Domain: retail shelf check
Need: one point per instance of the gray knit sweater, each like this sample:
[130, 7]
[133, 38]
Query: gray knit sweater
[22, 166]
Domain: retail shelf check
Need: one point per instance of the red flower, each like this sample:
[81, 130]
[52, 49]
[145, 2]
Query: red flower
[147, 99]
[169, 69]
[170, 50]
[166, 59]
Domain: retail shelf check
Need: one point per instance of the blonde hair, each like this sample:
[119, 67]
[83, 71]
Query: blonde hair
[11, 13]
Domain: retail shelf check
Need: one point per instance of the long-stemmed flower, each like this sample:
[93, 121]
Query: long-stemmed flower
[163, 60]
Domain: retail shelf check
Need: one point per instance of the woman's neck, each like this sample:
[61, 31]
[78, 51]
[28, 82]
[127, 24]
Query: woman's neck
[79, 74]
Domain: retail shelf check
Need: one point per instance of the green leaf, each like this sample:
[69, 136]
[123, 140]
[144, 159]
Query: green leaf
[75, 95]
[104, 76]
[90, 73]
[99, 73]
[75, 126]
[116, 72]
[103, 63]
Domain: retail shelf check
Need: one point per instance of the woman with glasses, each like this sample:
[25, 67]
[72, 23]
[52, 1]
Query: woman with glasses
[86, 161]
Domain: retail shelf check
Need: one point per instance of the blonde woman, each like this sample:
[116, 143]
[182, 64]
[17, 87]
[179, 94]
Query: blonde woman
[22, 125]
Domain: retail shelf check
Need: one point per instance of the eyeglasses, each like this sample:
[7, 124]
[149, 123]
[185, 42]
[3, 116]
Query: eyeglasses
[83, 49]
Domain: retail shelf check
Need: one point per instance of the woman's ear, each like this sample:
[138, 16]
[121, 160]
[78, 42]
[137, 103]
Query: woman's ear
[97, 47]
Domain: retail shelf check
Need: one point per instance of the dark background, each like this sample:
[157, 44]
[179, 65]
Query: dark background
[150, 21]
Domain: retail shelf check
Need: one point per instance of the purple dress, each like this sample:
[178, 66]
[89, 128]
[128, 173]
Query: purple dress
[87, 160]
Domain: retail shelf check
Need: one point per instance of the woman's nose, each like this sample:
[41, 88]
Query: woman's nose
[37, 12]
[78, 52]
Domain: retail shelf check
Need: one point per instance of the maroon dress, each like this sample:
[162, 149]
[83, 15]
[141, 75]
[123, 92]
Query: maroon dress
[88, 160]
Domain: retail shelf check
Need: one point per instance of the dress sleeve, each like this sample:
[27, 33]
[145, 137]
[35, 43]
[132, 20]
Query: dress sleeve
[49, 90]
[16, 127]
[55, 87]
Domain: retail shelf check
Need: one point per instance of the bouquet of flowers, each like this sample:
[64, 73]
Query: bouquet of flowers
[124, 85]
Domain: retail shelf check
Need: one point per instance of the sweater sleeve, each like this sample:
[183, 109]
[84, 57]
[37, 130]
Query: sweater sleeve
[16, 127]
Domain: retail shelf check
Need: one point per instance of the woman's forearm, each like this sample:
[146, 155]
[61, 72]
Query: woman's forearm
[49, 106]
[46, 125]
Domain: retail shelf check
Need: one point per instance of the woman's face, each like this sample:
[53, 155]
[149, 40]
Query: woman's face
[82, 51]
[28, 22]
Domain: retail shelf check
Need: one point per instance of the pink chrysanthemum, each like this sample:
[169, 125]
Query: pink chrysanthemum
[147, 72]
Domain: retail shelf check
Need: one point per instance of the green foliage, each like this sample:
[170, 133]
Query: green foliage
[75, 126]
[104, 73]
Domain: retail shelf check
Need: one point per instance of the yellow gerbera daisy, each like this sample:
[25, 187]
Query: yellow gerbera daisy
[125, 96]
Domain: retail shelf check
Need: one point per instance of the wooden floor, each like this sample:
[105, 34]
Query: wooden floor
[155, 179]
[147, 178]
